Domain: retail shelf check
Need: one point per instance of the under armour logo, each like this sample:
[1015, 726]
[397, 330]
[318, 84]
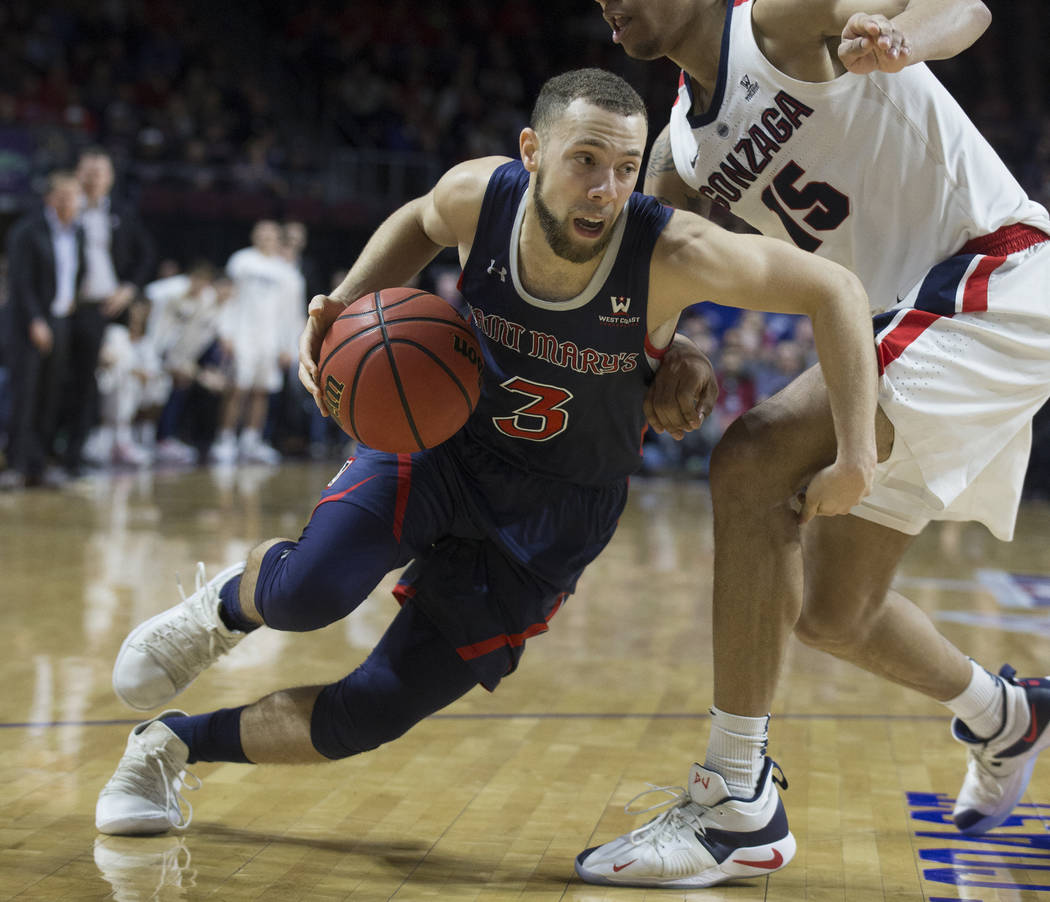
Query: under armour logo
[620, 304]
[493, 270]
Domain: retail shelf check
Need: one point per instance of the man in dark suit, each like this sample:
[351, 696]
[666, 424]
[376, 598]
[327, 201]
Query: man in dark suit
[45, 251]
[119, 260]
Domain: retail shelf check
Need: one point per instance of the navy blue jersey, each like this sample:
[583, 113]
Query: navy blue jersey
[564, 381]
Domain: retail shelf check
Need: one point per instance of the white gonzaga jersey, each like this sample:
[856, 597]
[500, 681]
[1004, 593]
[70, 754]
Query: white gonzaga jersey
[883, 173]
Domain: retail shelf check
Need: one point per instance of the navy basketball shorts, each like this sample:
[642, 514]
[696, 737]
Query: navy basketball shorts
[494, 551]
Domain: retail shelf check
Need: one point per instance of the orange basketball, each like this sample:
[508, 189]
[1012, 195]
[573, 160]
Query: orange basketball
[400, 370]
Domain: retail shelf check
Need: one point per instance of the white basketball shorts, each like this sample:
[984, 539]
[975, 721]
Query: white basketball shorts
[964, 363]
[256, 365]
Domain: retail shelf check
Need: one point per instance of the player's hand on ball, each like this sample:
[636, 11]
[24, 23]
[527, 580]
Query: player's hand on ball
[872, 43]
[322, 312]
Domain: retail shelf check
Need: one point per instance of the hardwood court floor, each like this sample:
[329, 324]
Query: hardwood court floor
[492, 799]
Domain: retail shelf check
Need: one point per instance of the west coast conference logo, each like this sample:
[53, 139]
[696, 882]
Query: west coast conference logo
[621, 312]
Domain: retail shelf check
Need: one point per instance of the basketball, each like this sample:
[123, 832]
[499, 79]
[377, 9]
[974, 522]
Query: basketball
[400, 370]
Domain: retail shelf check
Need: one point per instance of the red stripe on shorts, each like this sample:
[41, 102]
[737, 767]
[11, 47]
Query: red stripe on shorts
[404, 486]
[911, 326]
[468, 652]
[975, 293]
[1007, 240]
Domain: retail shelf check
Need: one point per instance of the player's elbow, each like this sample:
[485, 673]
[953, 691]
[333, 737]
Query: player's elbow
[983, 14]
[974, 17]
[843, 293]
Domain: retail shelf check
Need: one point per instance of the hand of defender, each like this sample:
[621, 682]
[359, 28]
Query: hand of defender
[834, 490]
[683, 391]
[321, 313]
[872, 43]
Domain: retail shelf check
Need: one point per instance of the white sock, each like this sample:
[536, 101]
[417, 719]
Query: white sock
[250, 437]
[226, 437]
[736, 749]
[980, 704]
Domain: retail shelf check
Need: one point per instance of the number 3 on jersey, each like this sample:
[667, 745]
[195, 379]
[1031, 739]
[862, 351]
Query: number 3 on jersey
[542, 418]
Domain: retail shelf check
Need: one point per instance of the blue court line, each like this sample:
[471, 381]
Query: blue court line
[580, 715]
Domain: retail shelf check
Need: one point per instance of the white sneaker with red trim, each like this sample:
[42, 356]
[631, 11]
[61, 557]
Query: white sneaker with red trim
[706, 837]
[999, 768]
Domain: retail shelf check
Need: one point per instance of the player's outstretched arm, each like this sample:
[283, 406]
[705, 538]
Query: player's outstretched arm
[398, 250]
[695, 260]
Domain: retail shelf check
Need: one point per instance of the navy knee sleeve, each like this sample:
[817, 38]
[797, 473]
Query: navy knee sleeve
[410, 674]
[339, 559]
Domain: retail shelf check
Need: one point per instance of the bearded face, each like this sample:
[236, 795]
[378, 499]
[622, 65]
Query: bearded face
[560, 232]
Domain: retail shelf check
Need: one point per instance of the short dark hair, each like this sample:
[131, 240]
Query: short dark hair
[597, 86]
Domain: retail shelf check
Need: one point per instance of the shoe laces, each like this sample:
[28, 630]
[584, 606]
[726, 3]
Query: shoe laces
[682, 812]
[185, 650]
[137, 775]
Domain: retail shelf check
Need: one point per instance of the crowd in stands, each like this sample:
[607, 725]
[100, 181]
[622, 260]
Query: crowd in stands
[259, 95]
[269, 103]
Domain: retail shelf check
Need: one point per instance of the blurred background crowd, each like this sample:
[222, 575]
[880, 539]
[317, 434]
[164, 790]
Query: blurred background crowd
[248, 150]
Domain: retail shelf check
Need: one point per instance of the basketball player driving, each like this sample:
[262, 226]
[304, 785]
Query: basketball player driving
[575, 283]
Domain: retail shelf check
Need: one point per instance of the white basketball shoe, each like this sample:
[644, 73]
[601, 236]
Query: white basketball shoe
[164, 654]
[143, 795]
[706, 837]
[999, 768]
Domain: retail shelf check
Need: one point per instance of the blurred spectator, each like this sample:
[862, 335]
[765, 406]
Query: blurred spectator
[119, 259]
[198, 364]
[292, 408]
[260, 326]
[183, 326]
[295, 238]
[736, 386]
[775, 370]
[45, 251]
[132, 388]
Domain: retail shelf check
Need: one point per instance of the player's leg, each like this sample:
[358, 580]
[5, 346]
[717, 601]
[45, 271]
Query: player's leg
[759, 465]
[375, 516]
[412, 672]
[851, 612]
[758, 468]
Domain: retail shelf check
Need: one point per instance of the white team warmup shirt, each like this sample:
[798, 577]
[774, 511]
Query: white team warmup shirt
[264, 317]
[886, 175]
